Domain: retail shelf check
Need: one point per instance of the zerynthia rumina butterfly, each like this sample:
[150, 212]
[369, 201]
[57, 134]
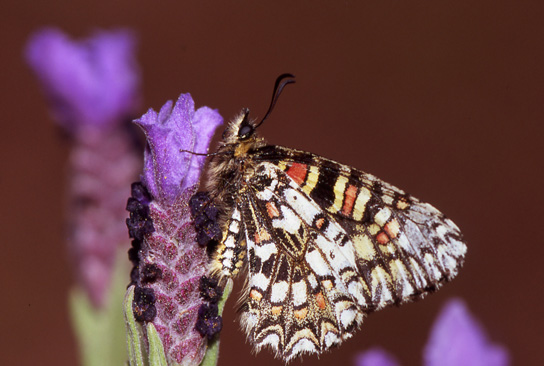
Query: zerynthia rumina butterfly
[323, 243]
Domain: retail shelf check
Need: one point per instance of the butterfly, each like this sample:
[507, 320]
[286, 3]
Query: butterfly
[323, 244]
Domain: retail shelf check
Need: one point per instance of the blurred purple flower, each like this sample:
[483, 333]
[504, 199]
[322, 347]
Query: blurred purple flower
[93, 86]
[168, 171]
[94, 81]
[375, 357]
[456, 340]
[171, 290]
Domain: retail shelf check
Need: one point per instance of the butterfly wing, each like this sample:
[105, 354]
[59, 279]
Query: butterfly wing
[404, 248]
[327, 244]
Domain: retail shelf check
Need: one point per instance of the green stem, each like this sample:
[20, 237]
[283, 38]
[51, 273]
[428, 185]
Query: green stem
[100, 332]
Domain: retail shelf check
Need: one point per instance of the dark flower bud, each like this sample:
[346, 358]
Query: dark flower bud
[209, 289]
[150, 273]
[197, 201]
[134, 276]
[140, 193]
[204, 214]
[209, 323]
[144, 304]
[133, 256]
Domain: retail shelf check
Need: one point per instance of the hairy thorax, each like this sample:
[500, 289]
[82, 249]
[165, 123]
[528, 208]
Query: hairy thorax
[233, 165]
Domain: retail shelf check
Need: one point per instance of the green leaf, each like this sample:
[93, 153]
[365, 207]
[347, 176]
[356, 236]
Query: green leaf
[212, 353]
[135, 346]
[156, 349]
[135, 335]
[100, 332]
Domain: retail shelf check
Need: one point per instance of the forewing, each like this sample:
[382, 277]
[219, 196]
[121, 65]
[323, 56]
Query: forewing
[404, 248]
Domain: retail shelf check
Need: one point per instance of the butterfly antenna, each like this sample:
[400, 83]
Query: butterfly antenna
[199, 154]
[281, 82]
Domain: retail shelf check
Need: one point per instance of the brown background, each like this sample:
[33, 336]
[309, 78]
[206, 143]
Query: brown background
[443, 99]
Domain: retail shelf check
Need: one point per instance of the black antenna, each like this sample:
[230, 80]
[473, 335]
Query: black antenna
[281, 82]
[198, 154]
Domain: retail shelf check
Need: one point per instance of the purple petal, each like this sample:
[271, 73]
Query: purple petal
[205, 122]
[168, 171]
[93, 81]
[457, 339]
[375, 357]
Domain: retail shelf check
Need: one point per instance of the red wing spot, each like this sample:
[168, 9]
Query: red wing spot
[382, 238]
[298, 172]
[272, 210]
[349, 198]
[320, 300]
[319, 223]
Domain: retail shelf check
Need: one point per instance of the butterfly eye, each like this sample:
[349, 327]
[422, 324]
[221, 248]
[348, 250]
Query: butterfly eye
[246, 128]
[245, 132]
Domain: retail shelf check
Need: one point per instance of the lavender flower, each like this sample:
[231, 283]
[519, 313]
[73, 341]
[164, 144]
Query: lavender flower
[456, 340]
[94, 81]
[171, 290]
[93, 87]
[375, 357]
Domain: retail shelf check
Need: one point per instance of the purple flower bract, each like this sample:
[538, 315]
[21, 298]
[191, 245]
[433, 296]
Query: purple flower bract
[168, 171]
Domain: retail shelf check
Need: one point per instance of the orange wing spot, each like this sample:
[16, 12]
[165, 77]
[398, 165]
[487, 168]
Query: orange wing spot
[382, 238]
[349, 198]
[392, 228]
[298, 172]
[255, 295]
[301, 314]
[276, 310]
[320, 300]
[319, 223]
[272, 210]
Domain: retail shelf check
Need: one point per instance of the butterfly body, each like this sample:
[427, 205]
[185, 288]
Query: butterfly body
[324, 244]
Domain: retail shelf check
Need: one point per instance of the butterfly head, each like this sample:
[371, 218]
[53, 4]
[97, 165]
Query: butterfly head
[240, 136]
[241, 129]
